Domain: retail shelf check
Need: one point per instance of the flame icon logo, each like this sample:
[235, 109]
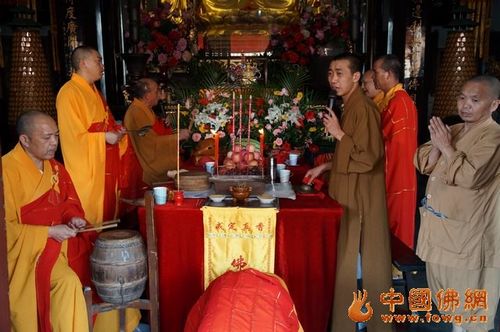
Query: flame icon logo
[354, 312]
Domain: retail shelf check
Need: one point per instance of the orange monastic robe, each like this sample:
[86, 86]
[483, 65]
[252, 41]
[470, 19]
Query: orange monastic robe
[45, 293]
[156, 150]
[399, 126]
[83, 119]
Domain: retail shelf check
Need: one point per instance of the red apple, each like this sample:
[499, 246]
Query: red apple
[236, 157]
[237, 148]
[229, 164]
[249, 156]
[256, 155]
[229, 154]
[253, 163]
[250, 148]
[242, 165]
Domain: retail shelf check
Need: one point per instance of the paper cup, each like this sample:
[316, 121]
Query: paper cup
[209, 167]
[160, 195]
[284, 175]
[292, 158]
[279, 167]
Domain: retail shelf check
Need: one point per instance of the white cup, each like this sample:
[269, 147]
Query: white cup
[284, 175]
[160, 195]
[209, 167]
[292, 158]
[279, 167]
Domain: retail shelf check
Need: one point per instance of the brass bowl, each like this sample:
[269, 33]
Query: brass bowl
[240, 192]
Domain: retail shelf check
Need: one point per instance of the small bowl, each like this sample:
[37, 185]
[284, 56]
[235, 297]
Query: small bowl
[217, 198]
[265, 198]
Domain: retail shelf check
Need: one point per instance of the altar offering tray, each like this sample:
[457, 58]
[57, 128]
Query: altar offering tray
[250, 202]
[223, 182]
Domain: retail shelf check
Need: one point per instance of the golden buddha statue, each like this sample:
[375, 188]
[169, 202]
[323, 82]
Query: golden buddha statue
[248, 11]
[216, 12]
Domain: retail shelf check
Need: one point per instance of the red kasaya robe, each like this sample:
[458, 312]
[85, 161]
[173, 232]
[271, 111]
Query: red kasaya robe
[399, 126]
[35, 200]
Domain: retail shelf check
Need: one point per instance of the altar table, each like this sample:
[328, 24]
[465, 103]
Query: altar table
[306, 246]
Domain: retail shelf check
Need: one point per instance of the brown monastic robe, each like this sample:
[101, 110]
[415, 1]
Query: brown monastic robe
[357, 182]
[156, 153]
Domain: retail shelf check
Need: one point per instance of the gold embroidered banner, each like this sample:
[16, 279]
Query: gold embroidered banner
[237, 238]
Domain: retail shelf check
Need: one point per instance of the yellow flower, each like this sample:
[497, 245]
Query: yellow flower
[202, 129]
[312, 129]
[277, 93]
[300, 95]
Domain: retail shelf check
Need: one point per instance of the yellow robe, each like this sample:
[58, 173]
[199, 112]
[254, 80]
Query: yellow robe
[23, 183]
[156, 153]
[79, 105]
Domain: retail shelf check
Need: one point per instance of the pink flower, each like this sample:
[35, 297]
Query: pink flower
[186, 56]
[276, 132]
[320, 35]
[196, 137]
[177, 55]
[181, 44]
[221, 133]
[269, 127]
[162, 58]
[278, 141]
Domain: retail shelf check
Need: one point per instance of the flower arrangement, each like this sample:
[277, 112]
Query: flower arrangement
[166, 42]
[210, 114]
[283, 121]
[319, 26]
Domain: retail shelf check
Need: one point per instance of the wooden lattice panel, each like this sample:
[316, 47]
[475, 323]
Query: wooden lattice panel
[30, 82]
[458, 64]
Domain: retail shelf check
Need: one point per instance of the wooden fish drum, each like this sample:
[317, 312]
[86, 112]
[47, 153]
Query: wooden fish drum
[119, 266]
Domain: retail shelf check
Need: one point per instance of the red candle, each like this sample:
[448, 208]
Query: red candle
[234, 116]
[241, 113]
[262, 144]
[216, 153]
[249, 120]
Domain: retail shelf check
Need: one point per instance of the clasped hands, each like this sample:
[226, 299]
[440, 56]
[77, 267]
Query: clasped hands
[63, 232]
[440, 136]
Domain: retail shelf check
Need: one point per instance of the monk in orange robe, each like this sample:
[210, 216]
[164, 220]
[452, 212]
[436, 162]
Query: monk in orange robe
[368, 86]
[92, 144]
[399, 127]
[154, 143]
[91, 141]
[42, 212]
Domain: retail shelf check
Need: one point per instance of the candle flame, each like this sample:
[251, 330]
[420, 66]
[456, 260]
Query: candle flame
[261, 131]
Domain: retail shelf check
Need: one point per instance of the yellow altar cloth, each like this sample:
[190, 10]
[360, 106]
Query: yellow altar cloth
[236, 238]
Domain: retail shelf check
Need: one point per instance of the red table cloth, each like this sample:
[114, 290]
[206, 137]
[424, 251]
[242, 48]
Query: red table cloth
[306, 246]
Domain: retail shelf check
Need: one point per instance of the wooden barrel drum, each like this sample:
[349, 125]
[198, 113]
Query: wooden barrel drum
[119, 266]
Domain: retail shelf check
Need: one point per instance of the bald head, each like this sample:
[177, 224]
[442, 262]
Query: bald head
[79, 54]
[491, 83]
[368, 84]
[143, 86]
[27, 121]
[148, 91]
[38, 135]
